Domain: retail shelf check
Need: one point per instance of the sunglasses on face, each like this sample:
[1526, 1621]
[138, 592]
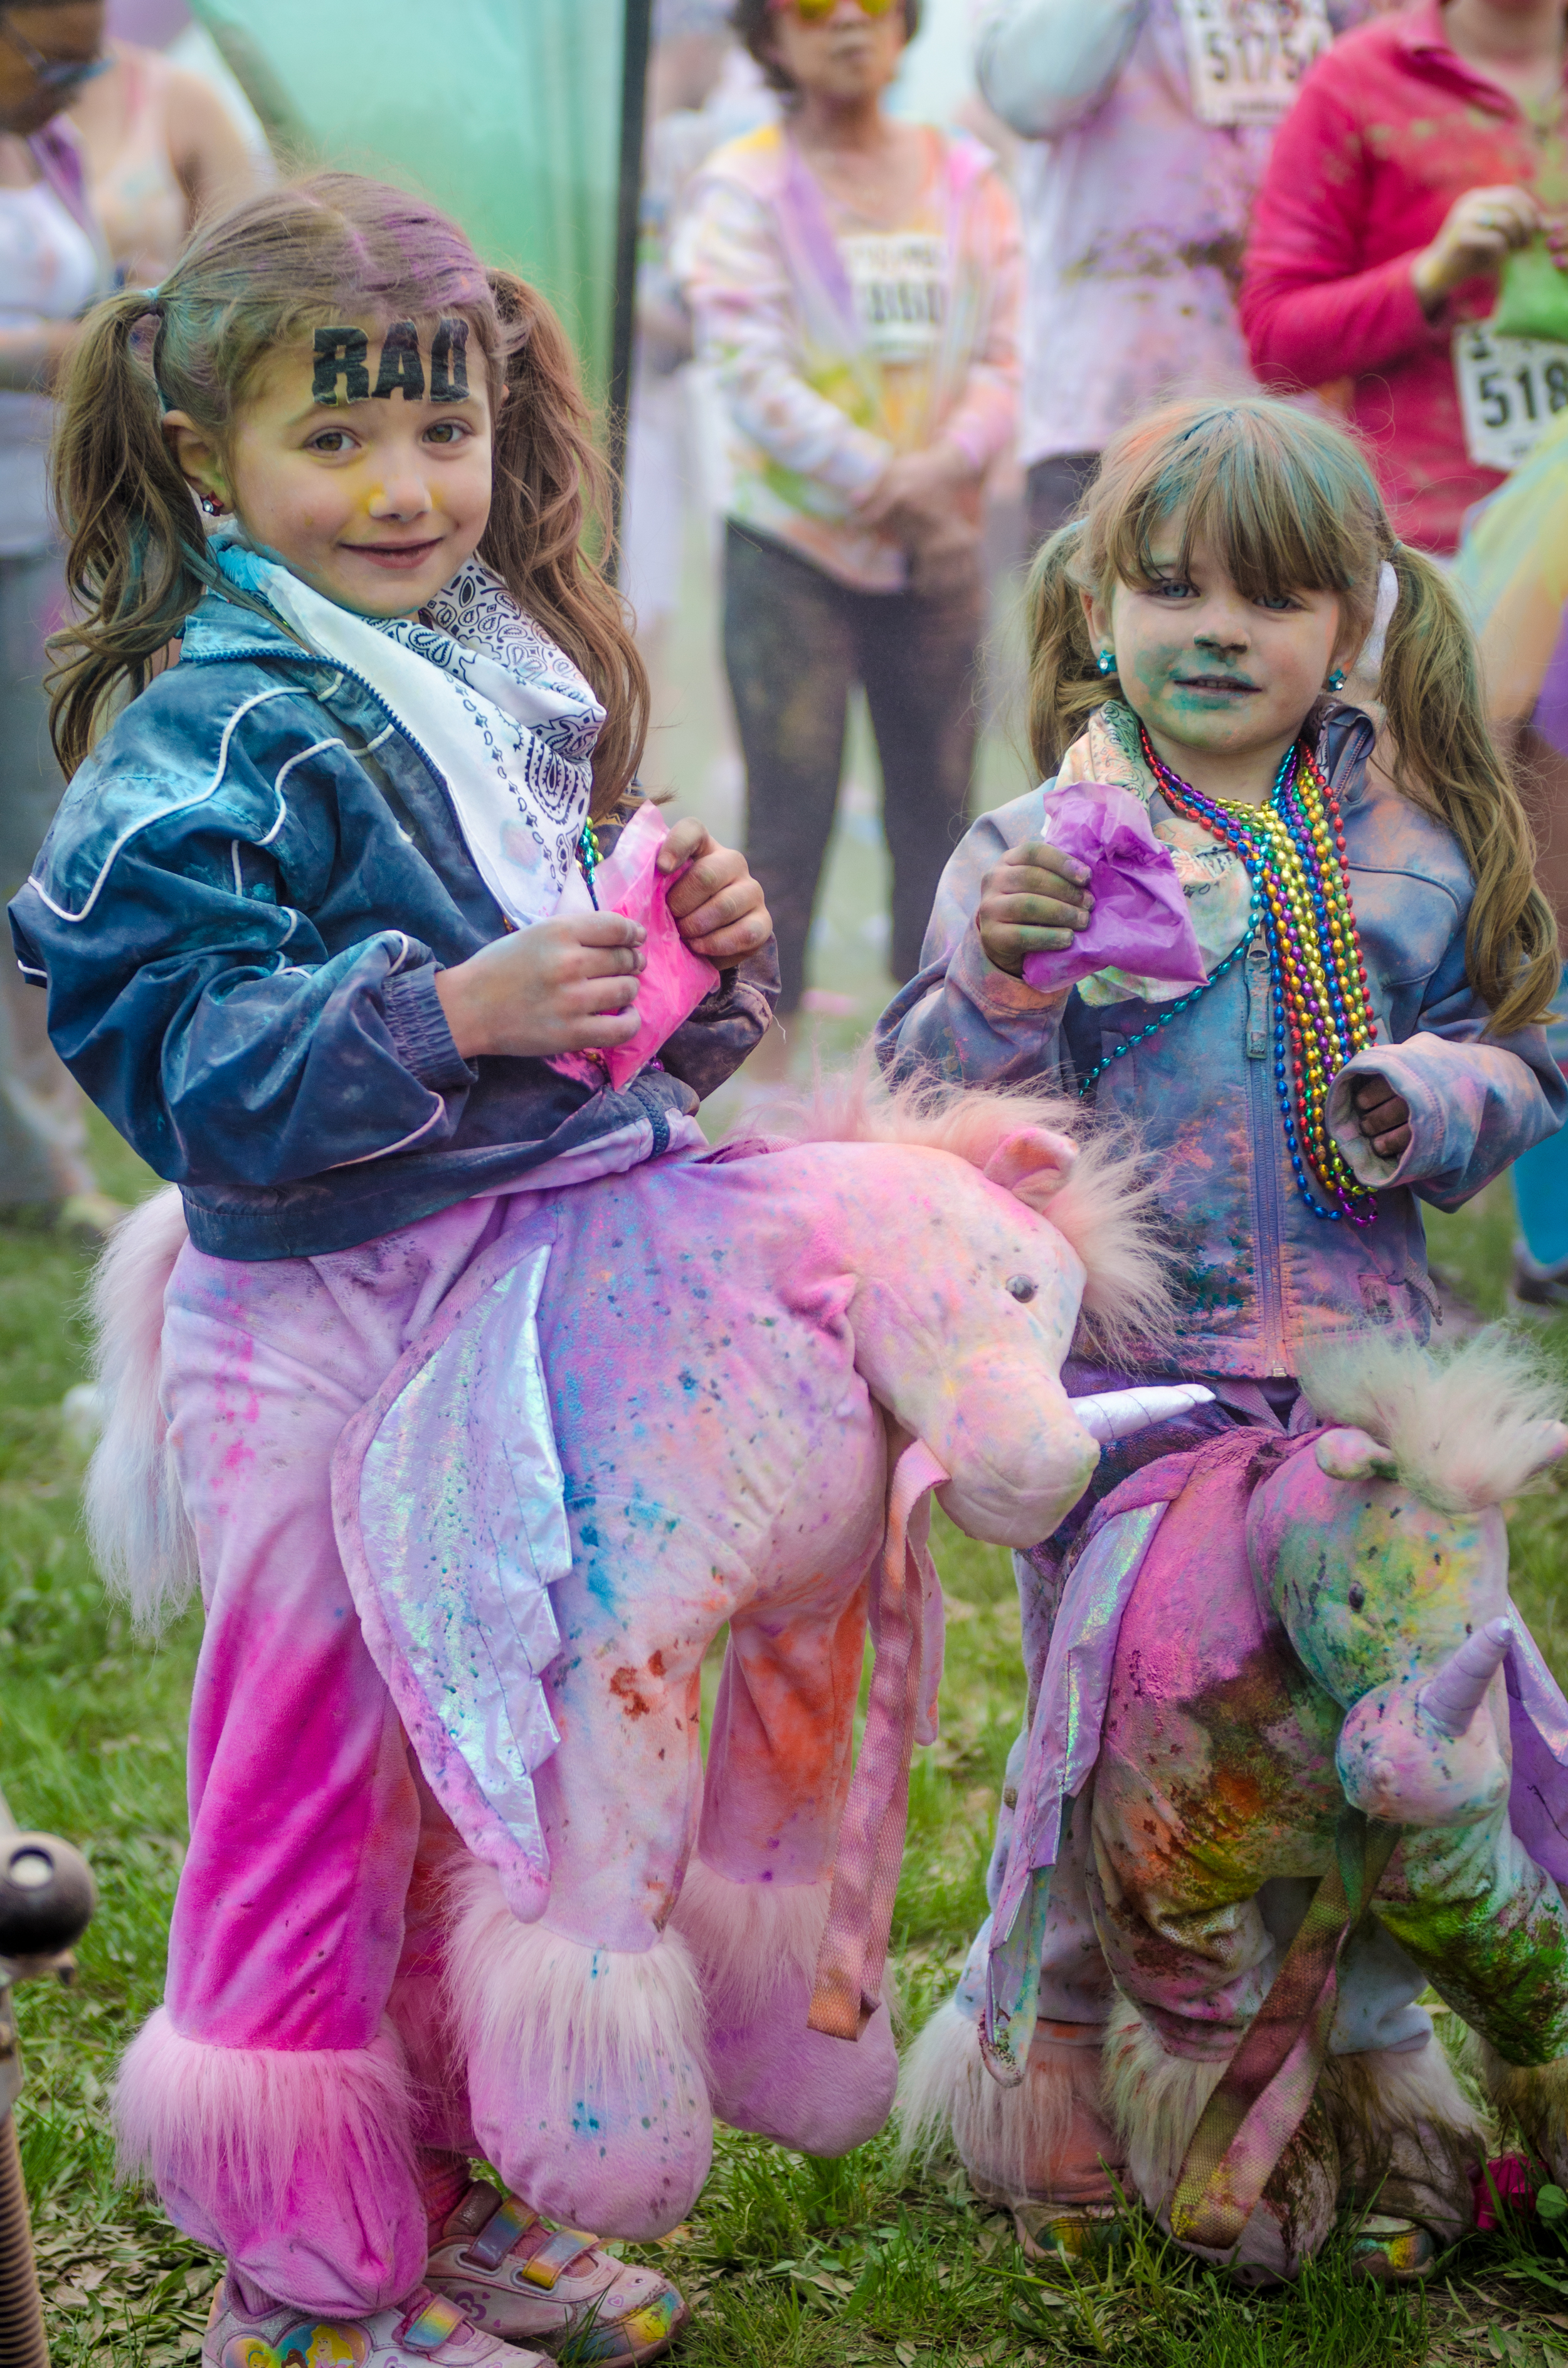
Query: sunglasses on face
[817, 12]
[53, 73]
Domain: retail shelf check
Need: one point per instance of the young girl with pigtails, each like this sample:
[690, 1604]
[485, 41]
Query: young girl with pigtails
[351, 721]
[1375, 961]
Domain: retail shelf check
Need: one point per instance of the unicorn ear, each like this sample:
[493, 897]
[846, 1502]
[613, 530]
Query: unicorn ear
[1033, 1162]
[1354, 1455]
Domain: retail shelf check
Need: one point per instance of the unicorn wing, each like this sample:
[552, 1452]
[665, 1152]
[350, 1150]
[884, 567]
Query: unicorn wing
[1065, 1742]
[449, 1504]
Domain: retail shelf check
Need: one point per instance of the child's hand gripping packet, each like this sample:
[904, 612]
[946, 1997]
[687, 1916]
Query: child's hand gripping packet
[1140, 921]
[676, 979]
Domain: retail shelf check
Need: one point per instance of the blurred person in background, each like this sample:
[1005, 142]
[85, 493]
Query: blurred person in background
[855, 283]
[1512, 571]
[697, 100]
[53, 264]
[1146, 124]
[161, 148]
[1424, 148]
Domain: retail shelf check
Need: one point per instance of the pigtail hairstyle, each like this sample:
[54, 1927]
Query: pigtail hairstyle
[1065, 684]
[551, 488]
[138, 563]
[260, 280]
[1448, 763]
[1286, 504]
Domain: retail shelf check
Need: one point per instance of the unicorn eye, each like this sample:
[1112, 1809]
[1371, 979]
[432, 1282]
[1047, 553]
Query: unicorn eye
[1022, 1286]
[1357, 1597]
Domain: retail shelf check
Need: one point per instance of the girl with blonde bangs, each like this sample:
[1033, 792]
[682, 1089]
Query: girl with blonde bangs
[352, 717]
[1375, 962]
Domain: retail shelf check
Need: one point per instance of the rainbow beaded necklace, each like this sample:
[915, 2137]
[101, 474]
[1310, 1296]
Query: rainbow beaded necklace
[1293, 849]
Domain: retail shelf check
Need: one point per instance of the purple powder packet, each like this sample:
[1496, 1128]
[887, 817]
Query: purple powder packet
[1140, 921]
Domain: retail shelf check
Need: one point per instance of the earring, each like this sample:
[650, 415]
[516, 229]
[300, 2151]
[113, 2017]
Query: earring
[1337, 679]
[211, 507]
[1106, 662]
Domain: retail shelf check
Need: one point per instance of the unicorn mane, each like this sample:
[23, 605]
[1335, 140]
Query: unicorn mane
[1105, 1207]
[1464, 1424]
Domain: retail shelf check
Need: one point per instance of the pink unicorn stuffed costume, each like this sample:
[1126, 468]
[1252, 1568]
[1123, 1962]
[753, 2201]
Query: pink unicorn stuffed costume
[446, 1776]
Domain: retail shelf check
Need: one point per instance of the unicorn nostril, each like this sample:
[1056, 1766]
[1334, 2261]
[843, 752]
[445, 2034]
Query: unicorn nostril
[1022, 1286]
[1358, 1598]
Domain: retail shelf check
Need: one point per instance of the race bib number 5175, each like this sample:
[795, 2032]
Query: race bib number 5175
[1245, 57]
[1510, 390]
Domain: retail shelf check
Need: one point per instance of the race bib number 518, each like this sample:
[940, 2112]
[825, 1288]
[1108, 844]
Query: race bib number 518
[1510, 388]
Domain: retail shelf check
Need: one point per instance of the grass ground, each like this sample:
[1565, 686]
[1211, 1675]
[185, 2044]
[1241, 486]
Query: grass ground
[793, 2263]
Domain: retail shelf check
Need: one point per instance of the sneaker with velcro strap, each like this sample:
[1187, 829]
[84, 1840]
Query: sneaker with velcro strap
[554, 2288]
[424, 2331]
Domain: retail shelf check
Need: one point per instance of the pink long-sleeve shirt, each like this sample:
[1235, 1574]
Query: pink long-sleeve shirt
[1391, 127]
[837, 344]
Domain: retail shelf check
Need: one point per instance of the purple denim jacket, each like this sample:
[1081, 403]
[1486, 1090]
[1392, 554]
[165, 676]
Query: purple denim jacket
[1255, 1274]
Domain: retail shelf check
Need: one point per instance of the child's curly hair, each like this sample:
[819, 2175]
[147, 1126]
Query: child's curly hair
[752, 18]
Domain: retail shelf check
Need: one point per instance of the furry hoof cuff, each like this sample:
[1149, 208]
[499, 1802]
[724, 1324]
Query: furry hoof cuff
[514, 2277]
[296, 2163]
[586, 2070]
[755, 1950]
[1046, 2142]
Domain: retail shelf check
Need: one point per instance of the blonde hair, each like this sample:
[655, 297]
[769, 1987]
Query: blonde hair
[335, 247]
[1286, 502]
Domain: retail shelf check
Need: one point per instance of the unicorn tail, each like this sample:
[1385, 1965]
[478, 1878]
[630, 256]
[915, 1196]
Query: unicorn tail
[137, 1527]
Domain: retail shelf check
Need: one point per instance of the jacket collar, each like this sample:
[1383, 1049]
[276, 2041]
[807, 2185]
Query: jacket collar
[1345, 737]
[1422, 35]
[222, 628]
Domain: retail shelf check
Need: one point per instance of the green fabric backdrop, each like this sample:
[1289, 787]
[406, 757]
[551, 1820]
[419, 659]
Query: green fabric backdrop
[505, 112]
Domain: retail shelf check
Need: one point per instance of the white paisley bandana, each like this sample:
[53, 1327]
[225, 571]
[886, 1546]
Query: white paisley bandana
[503, 715]
[1214, 881]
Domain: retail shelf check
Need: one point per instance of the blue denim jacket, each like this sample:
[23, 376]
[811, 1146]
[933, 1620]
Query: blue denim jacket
[240, 913]
[1255, 1273]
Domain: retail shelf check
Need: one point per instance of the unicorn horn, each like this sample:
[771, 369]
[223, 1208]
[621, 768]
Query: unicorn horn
[1451, 1698]
[1117, 1414]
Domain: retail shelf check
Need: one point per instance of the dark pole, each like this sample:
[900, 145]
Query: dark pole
[637, 41]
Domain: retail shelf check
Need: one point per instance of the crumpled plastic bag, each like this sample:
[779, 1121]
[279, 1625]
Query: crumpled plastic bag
[1140, 921]
[676, 980]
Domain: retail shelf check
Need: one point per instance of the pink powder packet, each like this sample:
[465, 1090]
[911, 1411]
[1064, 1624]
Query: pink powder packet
[676, 979]
[1140, 921]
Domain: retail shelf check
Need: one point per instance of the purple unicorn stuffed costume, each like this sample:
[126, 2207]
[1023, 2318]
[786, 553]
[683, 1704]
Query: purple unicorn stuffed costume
[1287, 1697]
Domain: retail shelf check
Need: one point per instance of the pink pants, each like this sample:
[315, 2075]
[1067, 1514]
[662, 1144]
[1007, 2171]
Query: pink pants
[308, 1817]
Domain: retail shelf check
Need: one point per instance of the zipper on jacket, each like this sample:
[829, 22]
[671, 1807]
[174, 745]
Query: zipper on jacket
[1268, 1246]
[1257, 998]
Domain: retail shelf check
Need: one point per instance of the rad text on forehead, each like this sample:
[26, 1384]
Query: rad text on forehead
[343, 353]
